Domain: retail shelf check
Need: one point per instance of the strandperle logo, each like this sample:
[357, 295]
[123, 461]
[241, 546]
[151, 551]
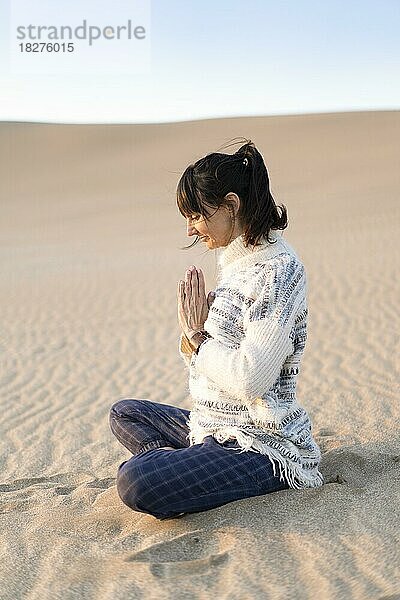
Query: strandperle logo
[88, 33]
[84, 37]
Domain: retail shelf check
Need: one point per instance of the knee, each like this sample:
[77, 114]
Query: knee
[131, 488]
[114, 414]
[135, 492]
[122, 408]
[126, 407]
[118, 406]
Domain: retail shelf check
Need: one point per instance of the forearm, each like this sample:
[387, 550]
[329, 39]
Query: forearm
[249, 371]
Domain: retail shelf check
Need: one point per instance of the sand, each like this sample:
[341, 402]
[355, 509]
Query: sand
[90, 260]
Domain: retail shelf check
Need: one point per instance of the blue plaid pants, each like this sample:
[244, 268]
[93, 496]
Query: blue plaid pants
[170, 483]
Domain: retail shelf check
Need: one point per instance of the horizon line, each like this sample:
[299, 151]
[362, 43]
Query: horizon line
[213, 118]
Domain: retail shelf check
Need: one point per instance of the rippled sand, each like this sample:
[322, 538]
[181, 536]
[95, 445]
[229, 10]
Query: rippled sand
[90, 260]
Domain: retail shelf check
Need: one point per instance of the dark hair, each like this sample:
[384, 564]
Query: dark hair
[206, 183]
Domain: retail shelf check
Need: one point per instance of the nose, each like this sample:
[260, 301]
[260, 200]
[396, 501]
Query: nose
[190, 229]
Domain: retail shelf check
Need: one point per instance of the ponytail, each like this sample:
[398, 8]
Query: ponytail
[264, 210]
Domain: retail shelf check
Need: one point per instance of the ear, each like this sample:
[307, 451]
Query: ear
[234, 201]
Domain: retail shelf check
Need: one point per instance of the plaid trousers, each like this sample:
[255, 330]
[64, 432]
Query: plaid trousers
[170, 483]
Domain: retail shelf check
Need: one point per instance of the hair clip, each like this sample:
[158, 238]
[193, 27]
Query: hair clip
[245, 162]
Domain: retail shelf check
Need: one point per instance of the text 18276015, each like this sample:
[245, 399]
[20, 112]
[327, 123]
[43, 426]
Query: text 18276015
[46, 47]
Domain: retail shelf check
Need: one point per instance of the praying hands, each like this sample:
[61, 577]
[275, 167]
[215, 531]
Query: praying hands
[193, 306]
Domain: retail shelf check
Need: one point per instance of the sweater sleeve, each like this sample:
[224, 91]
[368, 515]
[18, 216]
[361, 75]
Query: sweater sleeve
[251, 370]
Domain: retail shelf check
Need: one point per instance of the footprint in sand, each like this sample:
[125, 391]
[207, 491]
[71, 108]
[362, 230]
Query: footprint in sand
[189, 553]
[357, 465]
[20, 494]
[27, 482]
[326, 432]
[101, 483]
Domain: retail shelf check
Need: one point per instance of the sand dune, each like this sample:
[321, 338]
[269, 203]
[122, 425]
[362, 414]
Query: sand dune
[90, 260]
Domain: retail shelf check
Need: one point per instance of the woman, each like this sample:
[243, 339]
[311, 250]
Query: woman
[246, 435]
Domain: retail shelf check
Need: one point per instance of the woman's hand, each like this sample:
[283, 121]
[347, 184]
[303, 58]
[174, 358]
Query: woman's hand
[193, 306]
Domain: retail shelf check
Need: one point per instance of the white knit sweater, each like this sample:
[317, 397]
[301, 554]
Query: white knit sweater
[243, 380]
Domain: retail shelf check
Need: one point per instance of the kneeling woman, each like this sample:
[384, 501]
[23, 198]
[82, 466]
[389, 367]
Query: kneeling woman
[246, 434]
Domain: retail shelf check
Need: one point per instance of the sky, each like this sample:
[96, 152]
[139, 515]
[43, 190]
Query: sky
[205, 59]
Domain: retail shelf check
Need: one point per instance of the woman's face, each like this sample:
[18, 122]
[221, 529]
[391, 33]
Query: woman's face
[217, 231]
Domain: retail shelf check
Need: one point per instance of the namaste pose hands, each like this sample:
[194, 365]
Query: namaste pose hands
[193, 306]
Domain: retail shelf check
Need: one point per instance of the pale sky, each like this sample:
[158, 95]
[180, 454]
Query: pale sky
[214, 59]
